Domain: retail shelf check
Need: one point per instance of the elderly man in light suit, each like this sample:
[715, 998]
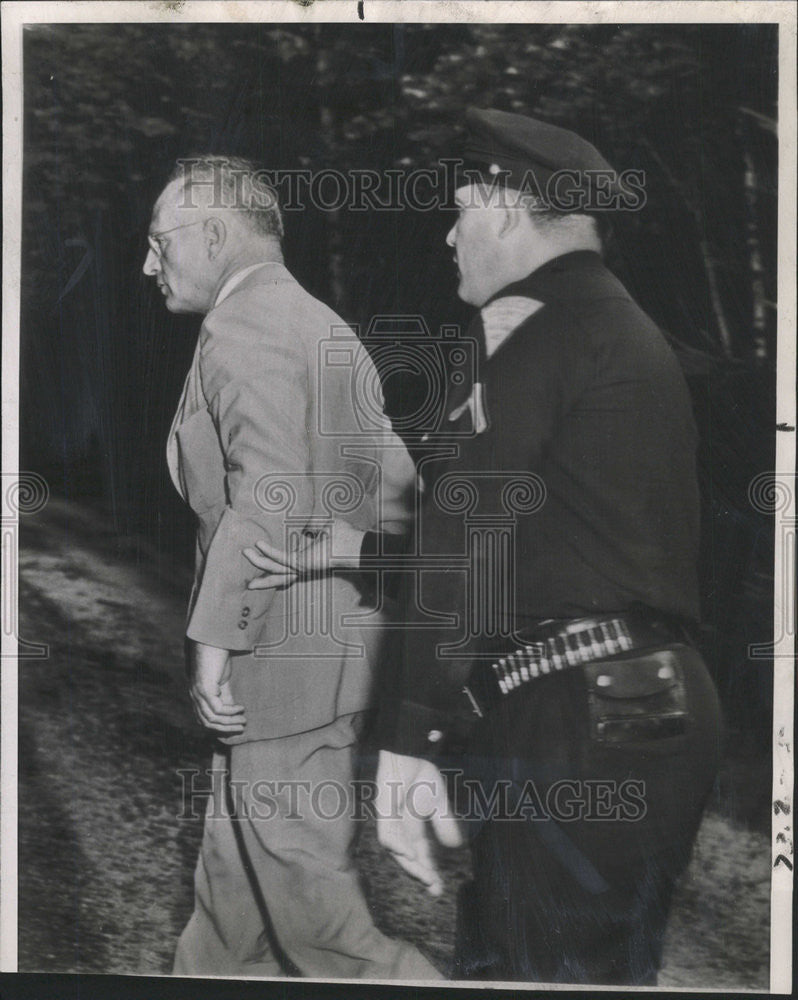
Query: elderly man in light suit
[265, 444]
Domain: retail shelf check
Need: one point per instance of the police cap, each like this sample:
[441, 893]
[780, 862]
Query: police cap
[556, 165]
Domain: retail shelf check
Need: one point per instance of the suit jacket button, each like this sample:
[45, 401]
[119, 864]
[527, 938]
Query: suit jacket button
[434, 736]
[245, 612]
[243, 624]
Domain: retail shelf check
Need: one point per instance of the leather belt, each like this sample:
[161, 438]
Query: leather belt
[556, 645]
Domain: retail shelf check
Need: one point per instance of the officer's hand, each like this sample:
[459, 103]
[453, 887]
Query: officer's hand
[209, 673]
[335, 547]
[411, 795]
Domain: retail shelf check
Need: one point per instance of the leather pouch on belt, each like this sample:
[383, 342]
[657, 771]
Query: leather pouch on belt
[640, 698]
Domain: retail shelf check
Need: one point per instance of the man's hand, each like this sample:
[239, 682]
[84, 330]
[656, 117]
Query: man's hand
[336, 547]
[210, 690]
[411, 792]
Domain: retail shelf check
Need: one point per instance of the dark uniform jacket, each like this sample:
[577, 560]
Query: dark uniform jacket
[584, 403]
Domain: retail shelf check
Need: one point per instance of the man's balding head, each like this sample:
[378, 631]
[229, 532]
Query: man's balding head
[229, 183]
[216, 215]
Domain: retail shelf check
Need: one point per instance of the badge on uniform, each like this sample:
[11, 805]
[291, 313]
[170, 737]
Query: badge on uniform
[474, 404]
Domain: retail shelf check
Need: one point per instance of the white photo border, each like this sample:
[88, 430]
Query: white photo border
[17, 14]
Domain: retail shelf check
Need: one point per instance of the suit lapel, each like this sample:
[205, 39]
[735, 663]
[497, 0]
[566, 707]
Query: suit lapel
[192, 397]
[186, 405]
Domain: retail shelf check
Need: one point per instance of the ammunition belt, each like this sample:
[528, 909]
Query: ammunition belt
[557, 646]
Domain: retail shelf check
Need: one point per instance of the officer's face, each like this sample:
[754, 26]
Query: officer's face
[176, 257]
[474, 237]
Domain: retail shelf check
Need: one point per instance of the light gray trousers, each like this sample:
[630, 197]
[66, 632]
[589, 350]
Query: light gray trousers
[276, 890]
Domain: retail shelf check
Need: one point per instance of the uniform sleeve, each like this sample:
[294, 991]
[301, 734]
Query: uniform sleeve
[423, 711]
[415, 730]
[255, 380]
[529, 388]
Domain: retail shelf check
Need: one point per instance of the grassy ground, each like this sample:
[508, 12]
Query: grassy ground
[105, 727]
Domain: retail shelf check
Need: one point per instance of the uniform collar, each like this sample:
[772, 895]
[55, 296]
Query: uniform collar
[576, 260]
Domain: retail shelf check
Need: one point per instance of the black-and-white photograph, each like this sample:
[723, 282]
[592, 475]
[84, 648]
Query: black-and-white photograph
[398, 506]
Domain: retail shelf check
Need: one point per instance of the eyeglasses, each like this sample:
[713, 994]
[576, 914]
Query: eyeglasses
[154, 238]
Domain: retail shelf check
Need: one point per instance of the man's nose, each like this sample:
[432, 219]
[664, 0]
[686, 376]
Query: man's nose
[151, 263]
[451, 235]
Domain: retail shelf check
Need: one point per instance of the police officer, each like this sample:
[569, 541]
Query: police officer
[562, 695]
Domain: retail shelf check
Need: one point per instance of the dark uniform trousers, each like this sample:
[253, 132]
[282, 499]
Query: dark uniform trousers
[582, 899]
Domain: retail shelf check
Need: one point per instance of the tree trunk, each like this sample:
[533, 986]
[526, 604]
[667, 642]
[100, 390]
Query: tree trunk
[332, 215]
[759, 298]
[724, 333]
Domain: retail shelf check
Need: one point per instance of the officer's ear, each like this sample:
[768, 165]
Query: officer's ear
[512, 216]
[215, 236]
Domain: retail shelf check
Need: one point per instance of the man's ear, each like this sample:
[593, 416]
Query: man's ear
[215, 236]
[510, 220]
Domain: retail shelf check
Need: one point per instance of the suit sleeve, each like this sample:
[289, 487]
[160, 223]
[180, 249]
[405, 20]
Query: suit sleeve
[398, 486]
[254, 376]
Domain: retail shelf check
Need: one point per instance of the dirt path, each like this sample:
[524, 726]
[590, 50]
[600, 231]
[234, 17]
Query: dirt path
[105, 728]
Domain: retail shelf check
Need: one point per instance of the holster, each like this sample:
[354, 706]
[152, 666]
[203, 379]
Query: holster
[637, 698]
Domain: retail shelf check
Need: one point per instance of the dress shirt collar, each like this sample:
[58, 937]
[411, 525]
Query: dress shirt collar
[236, 278]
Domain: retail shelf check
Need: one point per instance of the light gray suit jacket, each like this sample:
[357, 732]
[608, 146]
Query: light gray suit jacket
[280, 428]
